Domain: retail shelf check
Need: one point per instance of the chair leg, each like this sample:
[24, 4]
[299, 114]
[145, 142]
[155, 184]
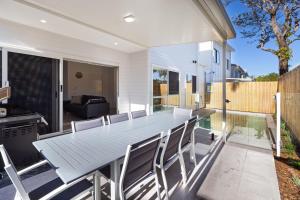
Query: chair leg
[97, 186]
[193, 151]
[157, 185]
[183, 169]
[17, 196]
[163, 174]
[193, 155]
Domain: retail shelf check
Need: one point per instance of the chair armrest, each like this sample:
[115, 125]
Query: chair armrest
[36, 165]
[63, 187]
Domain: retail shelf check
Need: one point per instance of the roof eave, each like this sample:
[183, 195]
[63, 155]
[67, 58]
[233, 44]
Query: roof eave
[227, 18]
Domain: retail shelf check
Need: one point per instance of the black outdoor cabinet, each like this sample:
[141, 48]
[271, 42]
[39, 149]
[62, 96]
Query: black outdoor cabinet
[17, 134]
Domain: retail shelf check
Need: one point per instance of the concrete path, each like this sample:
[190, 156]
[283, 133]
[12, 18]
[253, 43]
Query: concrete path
[241, 172]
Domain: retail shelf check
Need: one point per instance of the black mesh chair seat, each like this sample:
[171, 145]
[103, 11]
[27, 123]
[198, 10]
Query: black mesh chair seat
[69, 193]
[34, 182]
[105, 171]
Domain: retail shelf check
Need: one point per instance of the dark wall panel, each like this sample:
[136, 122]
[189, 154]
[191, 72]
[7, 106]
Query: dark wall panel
[31, 80]
[173, 82]
[0, 68]
[194, 84]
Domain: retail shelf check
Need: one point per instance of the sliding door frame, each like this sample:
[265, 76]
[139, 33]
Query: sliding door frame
[96, 64]
[61, 58]
[5, 51]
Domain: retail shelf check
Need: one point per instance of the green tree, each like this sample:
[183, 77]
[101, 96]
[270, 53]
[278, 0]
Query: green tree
[268, 77]
[265, 21]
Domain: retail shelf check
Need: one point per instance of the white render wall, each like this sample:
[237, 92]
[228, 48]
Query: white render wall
[53, 45]
[178, 58]
[207, 61]
[135, 69]
[139, 82]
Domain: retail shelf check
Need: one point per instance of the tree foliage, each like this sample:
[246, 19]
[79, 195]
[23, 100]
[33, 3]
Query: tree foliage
[268, 77]
[271, 20]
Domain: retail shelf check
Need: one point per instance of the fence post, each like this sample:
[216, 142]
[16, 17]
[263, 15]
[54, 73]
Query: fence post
[278, 119]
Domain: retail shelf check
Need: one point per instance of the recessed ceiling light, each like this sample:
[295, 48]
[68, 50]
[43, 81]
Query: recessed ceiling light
[116, 43]
[129, 18]
[43, 21]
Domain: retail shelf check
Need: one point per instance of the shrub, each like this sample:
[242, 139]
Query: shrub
[296, 181]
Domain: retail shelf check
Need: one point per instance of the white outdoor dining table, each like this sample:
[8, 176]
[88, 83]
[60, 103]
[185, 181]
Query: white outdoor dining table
[76, 155]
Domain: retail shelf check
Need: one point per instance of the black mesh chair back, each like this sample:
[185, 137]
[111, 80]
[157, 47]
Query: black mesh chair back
[171, 148]
[138, 114]
[118, 118]
[187, 136]
[139, 160]
[87, 124]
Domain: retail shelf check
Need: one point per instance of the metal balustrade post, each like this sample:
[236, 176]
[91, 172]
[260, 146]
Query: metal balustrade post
[278, 127]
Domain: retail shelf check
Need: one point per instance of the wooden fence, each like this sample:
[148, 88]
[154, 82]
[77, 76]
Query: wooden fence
[174, 100]
[289, 87]
[244, 96]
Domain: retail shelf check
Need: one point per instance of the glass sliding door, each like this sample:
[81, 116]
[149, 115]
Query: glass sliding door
[0, 67]
[160, 89]
[34, 82]
[165, 89]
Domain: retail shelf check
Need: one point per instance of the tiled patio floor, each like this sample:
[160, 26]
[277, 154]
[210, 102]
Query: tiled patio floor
[241, 172]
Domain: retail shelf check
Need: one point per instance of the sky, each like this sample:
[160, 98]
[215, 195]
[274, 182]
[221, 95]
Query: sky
[255, 61]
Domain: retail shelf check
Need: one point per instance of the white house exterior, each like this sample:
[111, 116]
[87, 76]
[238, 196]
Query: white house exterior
[99, 35]
[210, 54]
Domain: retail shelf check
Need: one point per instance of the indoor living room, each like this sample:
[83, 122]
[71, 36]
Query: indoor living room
[89, 91]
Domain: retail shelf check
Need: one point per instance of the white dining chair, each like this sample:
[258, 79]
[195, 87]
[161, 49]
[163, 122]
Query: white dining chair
[87, 124]
[138, 114]
[54, 189]
[139, 164]
[117, 118]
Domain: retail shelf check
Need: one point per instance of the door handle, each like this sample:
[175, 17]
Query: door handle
[227, 101]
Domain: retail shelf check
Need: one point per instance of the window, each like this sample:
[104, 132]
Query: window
[191, 85]
[228, 64]
[173, 83]
[0, 68]
[194, 84]
[165, 89]
[160, 82]
[216, 56]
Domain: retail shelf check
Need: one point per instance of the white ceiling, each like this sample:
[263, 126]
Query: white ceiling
[158, 22]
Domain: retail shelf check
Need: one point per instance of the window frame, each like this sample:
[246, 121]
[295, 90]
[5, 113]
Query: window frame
[216, 56]
[178, 82]
[158, 67]
[227, 64]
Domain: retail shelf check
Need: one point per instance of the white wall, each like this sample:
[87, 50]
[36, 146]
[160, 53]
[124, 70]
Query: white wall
[177, 58]
[139, 82]
[50, 44]
[217, 67]
[207, 60]
[205, 54]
